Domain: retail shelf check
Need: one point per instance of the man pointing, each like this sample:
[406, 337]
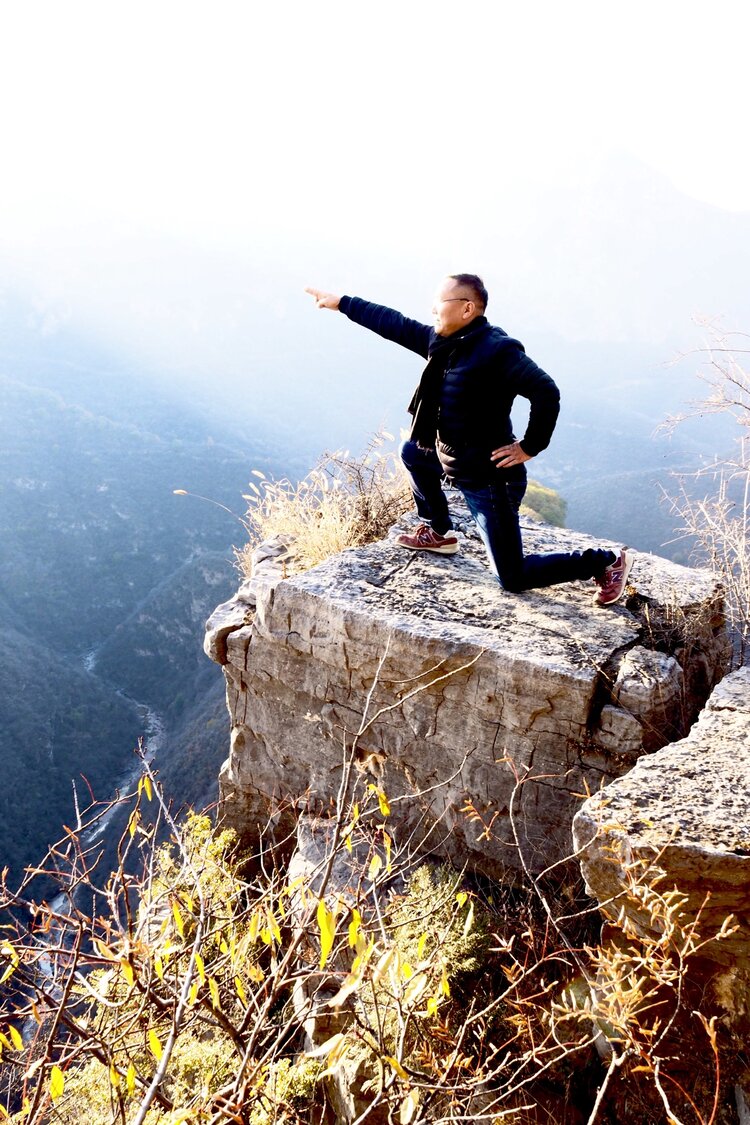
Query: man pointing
[461, 430]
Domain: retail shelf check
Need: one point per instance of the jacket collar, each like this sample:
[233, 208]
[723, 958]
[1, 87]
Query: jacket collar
[438, 342]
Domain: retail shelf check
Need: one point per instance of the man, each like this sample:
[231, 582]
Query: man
[461, 430]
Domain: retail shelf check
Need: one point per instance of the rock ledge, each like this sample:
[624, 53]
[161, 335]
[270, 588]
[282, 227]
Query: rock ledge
[523, 701]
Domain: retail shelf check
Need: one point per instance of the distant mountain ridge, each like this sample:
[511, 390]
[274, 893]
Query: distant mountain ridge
[106, 578]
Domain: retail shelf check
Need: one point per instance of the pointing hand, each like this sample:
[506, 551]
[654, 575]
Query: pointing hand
[322, 299]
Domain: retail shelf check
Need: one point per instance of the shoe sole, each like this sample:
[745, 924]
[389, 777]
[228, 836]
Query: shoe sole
[451, 549]
[629, 560]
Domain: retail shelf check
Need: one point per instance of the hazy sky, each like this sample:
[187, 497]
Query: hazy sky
[161, 148]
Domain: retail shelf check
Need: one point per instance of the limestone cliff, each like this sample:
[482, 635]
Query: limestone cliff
[681, 818]
[479, 708]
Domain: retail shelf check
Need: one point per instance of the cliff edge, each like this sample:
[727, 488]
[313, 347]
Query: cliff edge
[483, 716]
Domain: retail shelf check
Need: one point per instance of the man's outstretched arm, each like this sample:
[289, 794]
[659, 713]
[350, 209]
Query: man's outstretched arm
[388, 323]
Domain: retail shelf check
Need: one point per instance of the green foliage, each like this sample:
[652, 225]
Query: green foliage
[455, 926]
[545, 503]
[288, 1091]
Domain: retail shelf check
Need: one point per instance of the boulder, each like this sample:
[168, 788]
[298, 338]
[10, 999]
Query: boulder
[681, 818]
[483, 715]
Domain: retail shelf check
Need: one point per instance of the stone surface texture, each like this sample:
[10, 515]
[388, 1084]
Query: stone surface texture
[474, 707]
[685, 809]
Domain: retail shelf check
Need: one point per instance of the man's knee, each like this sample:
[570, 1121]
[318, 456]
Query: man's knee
[511, 585]
[408, 453]
[510, 578]
[419, 460]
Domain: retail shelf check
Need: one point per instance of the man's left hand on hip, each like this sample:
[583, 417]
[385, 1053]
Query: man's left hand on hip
[508, 455]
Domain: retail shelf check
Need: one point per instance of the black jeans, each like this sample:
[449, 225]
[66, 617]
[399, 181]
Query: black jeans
[495, 511]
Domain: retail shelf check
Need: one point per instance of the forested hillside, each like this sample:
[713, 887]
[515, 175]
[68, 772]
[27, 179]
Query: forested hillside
[106, 578]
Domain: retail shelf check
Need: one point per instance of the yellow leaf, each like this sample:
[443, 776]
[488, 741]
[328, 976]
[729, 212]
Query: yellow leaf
[387, 841]
[375, 865]
[200, 966]
[415, 988]
[213, 988]
[154, 1045]
[383, 966]
[56, 1083]
[7, 950]
[114, 1075]
[354, 927]
[420, 946]
[240, 991]
[444, 986]
[350, 985]
[385, 808]
[193, 994]
[348, 842]
[327, 926]
[335, 1056]
[130, 1079]
[159, 967]
[397, 1067]
[461, 898]
[127, 971]
[179, 923]
[147, 787]
[409, 1106]
[255, 973]
[15, 1037]
[133, 821]
[432, 1006]
[3, 1111]
[364, 952]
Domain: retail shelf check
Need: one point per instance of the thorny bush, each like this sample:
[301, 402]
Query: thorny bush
[366, 986]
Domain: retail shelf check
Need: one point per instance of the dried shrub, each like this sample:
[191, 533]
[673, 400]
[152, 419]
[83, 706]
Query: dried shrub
[713, 503]
[343, 502]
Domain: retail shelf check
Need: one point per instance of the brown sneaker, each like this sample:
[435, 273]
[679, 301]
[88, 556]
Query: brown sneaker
[613, 581]
[425, 539]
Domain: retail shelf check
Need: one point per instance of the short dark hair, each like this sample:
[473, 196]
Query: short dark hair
[474, 283]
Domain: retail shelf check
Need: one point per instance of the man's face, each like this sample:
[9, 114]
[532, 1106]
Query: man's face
[453, 308]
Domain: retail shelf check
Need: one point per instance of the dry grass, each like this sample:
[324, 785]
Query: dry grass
[343, 502]
[718, 523]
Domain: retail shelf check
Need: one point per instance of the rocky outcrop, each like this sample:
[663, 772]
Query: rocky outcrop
[681, 818]
[482, 715]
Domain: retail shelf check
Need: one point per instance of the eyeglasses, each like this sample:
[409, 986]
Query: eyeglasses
[447, 300]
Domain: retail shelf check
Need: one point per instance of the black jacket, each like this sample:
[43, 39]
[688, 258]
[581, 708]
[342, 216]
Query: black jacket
[467, 390]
